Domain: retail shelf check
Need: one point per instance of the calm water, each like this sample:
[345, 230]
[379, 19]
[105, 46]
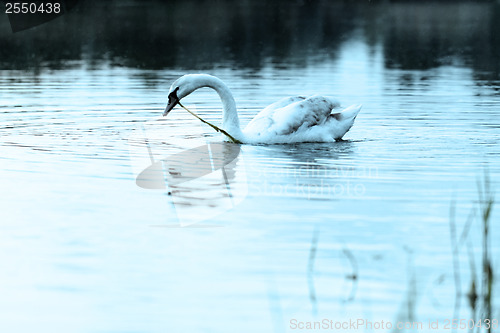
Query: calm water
[114, 220]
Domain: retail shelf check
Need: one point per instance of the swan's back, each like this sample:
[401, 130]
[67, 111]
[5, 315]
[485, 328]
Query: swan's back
[300, 119]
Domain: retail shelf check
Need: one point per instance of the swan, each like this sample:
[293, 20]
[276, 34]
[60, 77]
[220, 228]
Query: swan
[289, 120]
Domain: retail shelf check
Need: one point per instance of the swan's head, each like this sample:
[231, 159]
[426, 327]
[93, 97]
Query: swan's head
[182, 87]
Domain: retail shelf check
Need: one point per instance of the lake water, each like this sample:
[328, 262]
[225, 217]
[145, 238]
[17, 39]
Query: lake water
[116, 220]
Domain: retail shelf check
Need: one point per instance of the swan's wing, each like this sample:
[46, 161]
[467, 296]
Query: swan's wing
[263, 120]
[289, 115]
[278, 105]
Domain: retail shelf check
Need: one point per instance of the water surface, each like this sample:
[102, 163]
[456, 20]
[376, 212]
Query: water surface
[346, 230]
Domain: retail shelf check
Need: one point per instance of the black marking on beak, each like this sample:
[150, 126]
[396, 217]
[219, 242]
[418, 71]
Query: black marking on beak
[172, 101]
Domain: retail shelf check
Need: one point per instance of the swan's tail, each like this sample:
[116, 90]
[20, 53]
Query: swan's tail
[341, 122]
[350, 112]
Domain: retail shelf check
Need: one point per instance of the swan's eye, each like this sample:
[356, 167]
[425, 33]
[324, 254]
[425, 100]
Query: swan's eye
[172, 97]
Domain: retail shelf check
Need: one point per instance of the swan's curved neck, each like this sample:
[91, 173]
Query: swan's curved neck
[230, 120]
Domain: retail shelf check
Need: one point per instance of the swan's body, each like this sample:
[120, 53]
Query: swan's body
[290, 120]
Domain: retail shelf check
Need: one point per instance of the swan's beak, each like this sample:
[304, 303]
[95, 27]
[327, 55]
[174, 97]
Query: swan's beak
[170, 106]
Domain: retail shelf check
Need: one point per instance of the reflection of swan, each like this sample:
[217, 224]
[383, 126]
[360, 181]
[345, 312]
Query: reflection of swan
[292, 119]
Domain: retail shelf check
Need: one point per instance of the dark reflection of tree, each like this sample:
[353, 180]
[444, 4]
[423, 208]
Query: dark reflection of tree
[196, 34]
[188, 34]
[423, 35]
[486, 56]
[410, 52]
[285, 34]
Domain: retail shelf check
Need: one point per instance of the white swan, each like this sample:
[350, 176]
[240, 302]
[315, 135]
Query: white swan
[290, 120]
